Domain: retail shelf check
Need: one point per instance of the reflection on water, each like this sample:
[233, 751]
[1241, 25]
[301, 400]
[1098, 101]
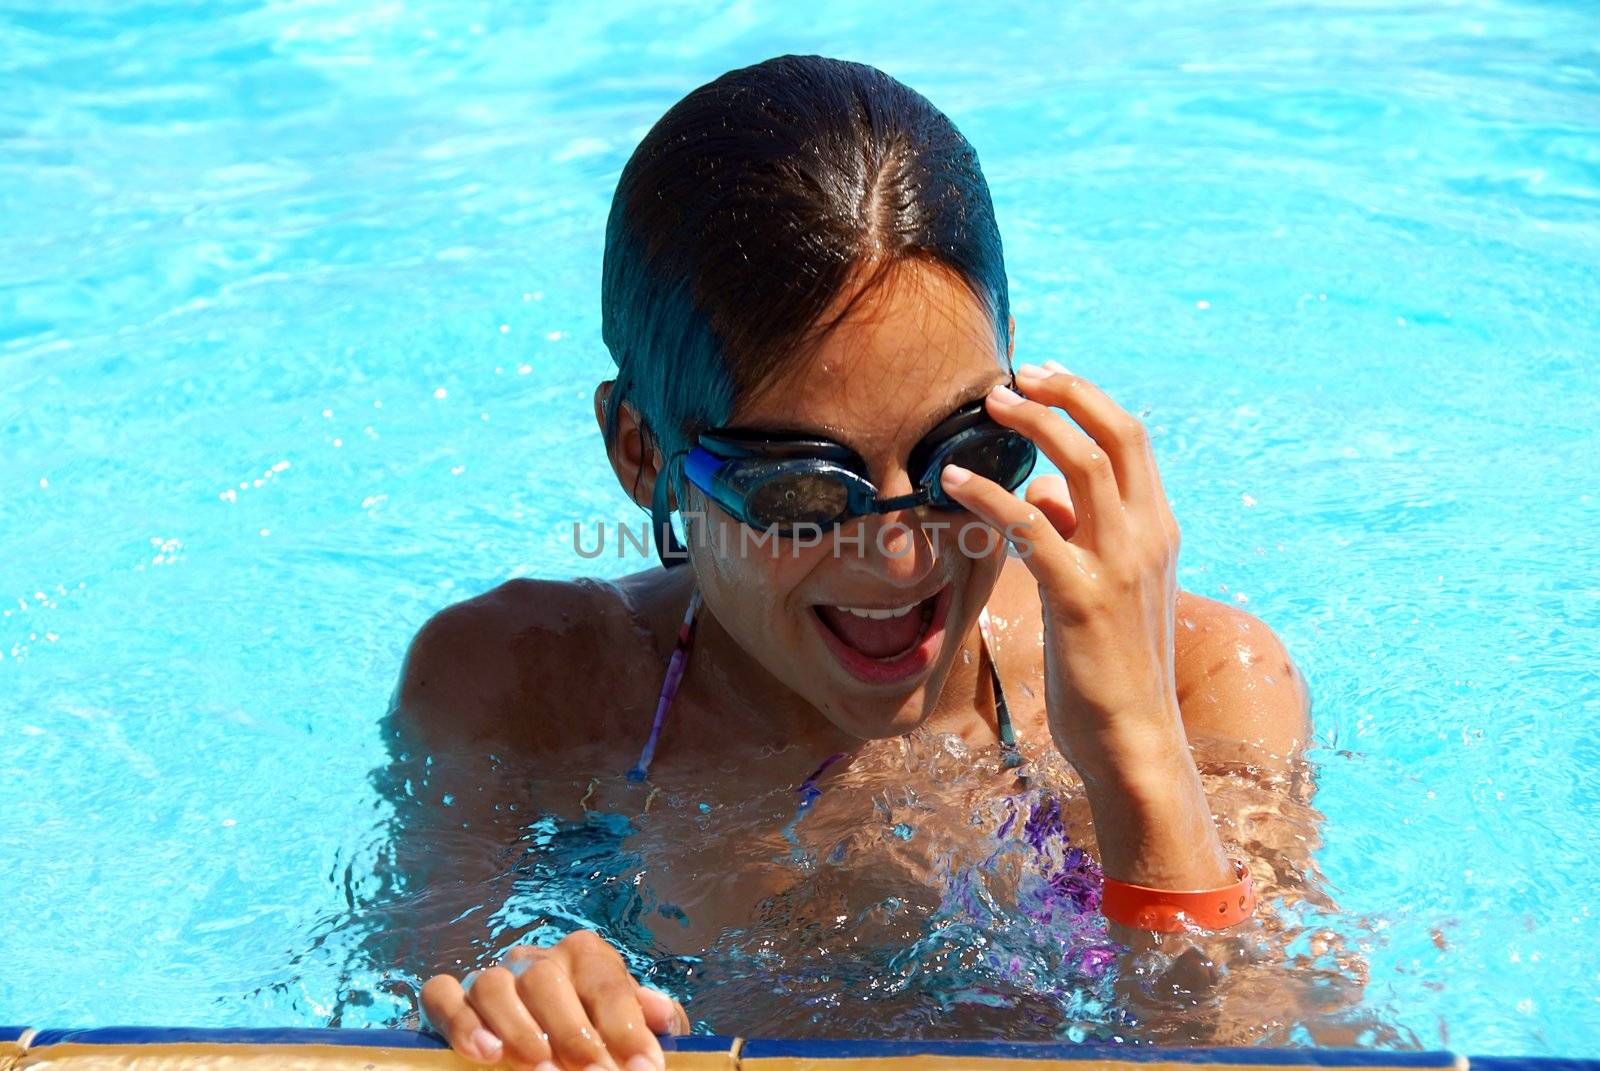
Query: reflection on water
[924, 893]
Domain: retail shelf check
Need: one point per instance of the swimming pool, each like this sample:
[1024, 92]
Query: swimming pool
[299, 324]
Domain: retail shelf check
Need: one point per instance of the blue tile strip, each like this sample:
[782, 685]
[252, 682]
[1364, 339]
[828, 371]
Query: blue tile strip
[697, 1043]
[758, 1048]
[1531, 1063]
[172, 1035]
[12, 1033]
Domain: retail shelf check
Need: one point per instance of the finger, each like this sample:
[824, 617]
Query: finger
[500, 1006]
[611, 997]
[518, 954]
[683, 1024]
[1128, 447]
[574, 1041]
[1050, 496]
[1118, 432]
[1043, 549]
[444, 1005]
[1085, 464]
[662, 1014]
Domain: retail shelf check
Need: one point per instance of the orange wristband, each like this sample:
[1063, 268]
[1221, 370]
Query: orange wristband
[1165, 911]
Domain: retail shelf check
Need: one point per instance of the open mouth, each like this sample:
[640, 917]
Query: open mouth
[885, 644]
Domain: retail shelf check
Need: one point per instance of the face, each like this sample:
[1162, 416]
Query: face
[911, 352]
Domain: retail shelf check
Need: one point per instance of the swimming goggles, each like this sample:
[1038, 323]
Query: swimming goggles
[788, 484]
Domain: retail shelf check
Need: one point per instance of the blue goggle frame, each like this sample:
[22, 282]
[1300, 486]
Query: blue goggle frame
[775, 482]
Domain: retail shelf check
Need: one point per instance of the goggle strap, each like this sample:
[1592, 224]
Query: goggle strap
[889, 505]
[668, 548]
[700, 467]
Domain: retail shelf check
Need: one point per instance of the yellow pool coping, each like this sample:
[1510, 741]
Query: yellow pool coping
[179, 1049]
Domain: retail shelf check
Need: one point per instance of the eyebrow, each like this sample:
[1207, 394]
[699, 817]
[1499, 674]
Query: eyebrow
[954, 401]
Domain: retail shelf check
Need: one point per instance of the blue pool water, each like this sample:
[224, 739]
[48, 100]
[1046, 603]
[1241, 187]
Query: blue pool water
[299, 325]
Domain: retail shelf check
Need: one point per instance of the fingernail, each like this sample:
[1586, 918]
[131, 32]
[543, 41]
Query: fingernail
[545, 1065]
[1005, 395]
[955, 475]
[642, 1062]
[1030, 371]
[1057, 367]
[487, 1044]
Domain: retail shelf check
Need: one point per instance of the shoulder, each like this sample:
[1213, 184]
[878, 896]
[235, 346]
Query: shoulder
[1236, 681]
[1238, 689]
[514, 663]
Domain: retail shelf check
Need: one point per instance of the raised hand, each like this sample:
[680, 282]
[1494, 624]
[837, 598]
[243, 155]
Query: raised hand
[1103, 546]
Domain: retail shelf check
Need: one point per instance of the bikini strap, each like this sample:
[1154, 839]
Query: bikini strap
[1002, 713]
[669, 688]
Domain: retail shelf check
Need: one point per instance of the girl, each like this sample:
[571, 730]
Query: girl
[805, 298]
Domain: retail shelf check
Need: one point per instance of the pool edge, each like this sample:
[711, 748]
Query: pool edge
[23, 1047]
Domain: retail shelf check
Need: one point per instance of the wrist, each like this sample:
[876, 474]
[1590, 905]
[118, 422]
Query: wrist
[1153, 824]
[1140, 765]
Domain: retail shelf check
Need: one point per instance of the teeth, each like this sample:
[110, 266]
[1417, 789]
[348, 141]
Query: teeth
[880, 615]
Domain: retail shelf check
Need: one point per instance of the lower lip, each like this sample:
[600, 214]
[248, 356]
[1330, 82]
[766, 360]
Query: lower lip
[901, 667]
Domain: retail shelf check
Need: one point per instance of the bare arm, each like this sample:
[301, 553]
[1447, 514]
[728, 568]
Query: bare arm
[1246, 714]
[454, 767]
[481, 724]
[1241, 702]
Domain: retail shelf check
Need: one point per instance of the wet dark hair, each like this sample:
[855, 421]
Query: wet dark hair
[742, 214]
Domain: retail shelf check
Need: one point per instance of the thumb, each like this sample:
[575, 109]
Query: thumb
[662, 1014]
[1050, 495]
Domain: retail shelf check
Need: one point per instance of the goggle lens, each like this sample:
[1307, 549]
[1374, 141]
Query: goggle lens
[997, 454]
[796, 498]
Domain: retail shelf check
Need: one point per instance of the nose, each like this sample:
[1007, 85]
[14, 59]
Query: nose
[891, 547]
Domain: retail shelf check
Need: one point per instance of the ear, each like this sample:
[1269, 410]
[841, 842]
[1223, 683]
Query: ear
[633, 458]
[1011, 337]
